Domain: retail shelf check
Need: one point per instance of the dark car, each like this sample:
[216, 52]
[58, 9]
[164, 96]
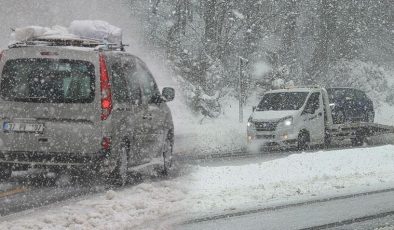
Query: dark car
[350, 105]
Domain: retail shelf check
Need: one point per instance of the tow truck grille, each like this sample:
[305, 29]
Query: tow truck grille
[266, 126]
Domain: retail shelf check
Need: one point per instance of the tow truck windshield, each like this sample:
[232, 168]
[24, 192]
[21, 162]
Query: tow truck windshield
[282, 101]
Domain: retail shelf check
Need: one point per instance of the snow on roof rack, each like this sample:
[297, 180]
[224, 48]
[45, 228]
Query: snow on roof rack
[81, 33]
[77, 42]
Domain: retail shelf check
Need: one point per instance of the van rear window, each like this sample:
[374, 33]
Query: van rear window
[48, 81]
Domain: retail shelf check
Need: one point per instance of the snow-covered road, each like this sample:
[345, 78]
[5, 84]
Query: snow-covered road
[225, 188]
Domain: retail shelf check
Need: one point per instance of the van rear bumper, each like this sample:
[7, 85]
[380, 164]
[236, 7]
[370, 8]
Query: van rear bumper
[47, 159]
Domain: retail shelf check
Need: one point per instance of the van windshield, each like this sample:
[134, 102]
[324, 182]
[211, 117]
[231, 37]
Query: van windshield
[282, 101]
[47, 81]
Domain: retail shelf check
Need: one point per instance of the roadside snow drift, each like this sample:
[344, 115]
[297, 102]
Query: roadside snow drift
[208, 190]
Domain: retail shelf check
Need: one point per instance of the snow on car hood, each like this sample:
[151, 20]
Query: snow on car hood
[273, 114]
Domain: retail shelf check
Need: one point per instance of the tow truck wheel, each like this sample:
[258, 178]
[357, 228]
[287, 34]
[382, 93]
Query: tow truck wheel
[358, 141]
[5, 172]
[303, 140]
[327, 140]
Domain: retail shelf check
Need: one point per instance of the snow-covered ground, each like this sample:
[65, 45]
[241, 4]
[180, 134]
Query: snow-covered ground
[209, 136]
[206, 190]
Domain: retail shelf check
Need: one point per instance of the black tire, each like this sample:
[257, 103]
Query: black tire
[5, 172]
[327, 140]
[358, 141]
[303, 140]
[120, 175]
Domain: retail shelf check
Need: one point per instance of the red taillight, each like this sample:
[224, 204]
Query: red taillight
[106, 143]
[105, 87]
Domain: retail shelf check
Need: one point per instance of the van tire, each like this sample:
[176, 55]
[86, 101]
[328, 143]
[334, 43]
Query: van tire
[303, 140]
[120, 174]
[5, 172]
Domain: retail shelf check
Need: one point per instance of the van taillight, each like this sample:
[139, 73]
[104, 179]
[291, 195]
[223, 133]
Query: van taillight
[105, 87]
[106, 143]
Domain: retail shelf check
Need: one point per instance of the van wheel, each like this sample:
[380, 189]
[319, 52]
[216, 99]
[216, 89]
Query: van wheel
[5, 172]
[120, 174]
[303, 140]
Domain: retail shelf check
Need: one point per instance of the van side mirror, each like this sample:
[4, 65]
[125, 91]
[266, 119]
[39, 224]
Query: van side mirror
[168, 93]
[309, 110]
[253, 108]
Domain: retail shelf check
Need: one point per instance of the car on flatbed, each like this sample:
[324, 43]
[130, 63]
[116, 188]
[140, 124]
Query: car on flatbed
[81, 104]
[350, 105]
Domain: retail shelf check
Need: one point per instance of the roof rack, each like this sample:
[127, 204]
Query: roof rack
[72, 41]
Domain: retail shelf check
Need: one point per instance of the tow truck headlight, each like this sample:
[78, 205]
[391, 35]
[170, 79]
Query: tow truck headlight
[288, 121]
[250, 123]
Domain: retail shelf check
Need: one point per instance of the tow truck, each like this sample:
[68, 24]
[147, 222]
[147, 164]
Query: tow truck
[302, 117]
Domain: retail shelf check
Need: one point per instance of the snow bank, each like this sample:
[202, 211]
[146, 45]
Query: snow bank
[139, 207]
[207, 190]
[298, 176]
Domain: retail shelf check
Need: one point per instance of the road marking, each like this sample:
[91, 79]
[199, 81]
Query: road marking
[13, 191]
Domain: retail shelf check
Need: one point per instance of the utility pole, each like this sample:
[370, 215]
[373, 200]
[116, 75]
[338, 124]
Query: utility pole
[241, 86]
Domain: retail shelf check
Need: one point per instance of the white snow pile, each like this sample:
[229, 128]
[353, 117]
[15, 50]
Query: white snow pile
[146, 206]
[207, 190]
[96, 29]
[30, 32]
[85, 29]
[297, 177]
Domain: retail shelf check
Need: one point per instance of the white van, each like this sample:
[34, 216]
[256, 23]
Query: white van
[290, 118]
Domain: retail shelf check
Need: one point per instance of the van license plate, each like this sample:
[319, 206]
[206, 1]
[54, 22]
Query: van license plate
[23, 127]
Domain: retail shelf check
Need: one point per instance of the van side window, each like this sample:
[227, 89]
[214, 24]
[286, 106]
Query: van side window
[313, 103]
[120, 92]
[133, 85]
[150, 91]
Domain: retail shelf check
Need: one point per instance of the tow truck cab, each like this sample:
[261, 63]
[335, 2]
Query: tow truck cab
[291, 118]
